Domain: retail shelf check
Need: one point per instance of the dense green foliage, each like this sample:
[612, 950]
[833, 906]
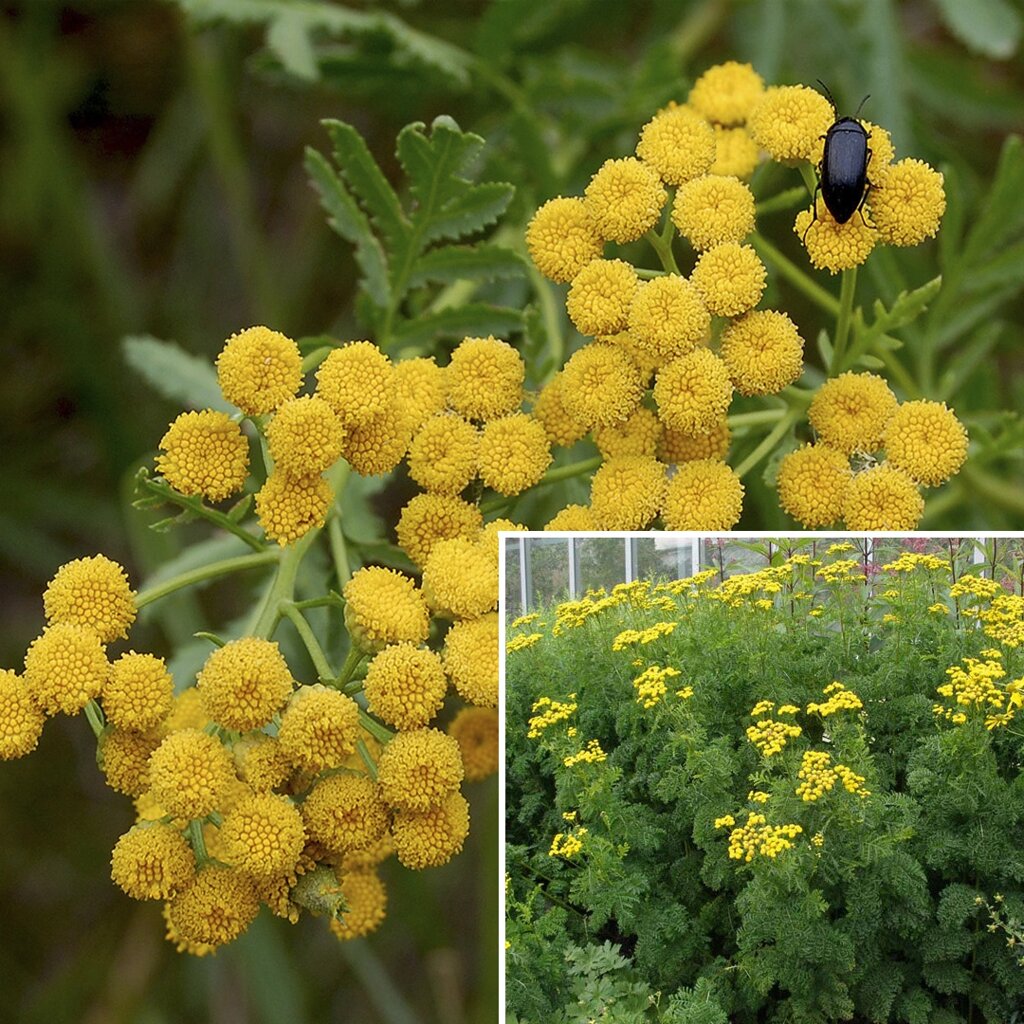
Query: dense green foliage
[874, 912]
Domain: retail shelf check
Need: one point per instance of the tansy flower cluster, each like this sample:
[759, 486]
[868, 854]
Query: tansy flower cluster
[757, 837]
[633, 637]
[819, 775]
[839, 699]
[650, 685]
[567, 844]
[974, 686]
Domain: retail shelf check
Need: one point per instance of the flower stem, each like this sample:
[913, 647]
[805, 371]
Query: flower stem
[843, 319]
[782, 200]
[316, 652]
[364, 753]
[282, 588]
[768, 443]
[796, 277]
[550, 477]
[205, 572]
[374, 728]
[352, 660]
[662, 243]
[94, 715]
[339, 551]
[754, 419]
[195, 837]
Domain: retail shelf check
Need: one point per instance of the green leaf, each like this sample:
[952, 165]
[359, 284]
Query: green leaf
[288, 38]
[367, 180]
[480, 207]
[988, 27]
[466, 263]
[909, 305]
[1002, 214]
[473, 318]
[435, 164]
[174, 373]
[967, 357]
[351, 223]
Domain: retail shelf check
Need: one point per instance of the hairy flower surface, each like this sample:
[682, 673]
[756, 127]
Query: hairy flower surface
[572, 519]
[65, 668]
[850, 412]
[21, 721]
[92, 592]
[471, 659]
[600, 296]
[704, 494]
[639, 434]
[601, 385]
[730, 279]
[514, 453]
[549, 410]
[727, 93]
[190, 773]
[562, 238]
[263, 835]
[420, 389]
[405, 685]
[668, 317]
[682, 446]
[812, 484]
[833, 246]
[443, 456]
[789, 120]
[476, 732]
[763, 352]
[485, 378]
[693, 392]
[215, 909]
[909, 203]
[384, 607]
[926, 441]
[882, 498]
[245, 683]
[288, 507]
[712, 210]
[357, 381]
[678, 144]
[345, 813]
[204, 453]
[419, 768]
[259, 370]
[378, 445]
[138, 692]
[319, 728]
[460, 579]
[261, 762]
[736, 153]
[367, 902]
[429, 518]
[624, 199]
[627, 492]
[305, 436]
[152, 862]
[123, 757]
[431, 838]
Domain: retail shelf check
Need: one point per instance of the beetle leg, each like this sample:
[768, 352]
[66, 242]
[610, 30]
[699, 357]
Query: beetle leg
[860, 206]
[815, 217]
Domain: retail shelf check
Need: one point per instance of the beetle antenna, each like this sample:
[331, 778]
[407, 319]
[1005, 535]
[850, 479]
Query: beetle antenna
[828, 94]
[861, 104]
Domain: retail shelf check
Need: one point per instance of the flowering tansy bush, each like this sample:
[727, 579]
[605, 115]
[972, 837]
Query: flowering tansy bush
[779, 796]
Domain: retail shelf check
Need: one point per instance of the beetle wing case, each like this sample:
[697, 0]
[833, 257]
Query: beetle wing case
[844, 168]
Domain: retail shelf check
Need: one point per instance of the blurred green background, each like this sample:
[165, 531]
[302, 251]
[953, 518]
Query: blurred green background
[151, 181]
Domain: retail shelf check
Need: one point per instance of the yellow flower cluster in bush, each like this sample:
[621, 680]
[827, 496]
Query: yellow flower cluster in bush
[548, 712]
[974, 686]
[650, 684]
[591, 753]
[819, 775]
[567, 844]
[632, 637]
[839, 699]
[756, 837]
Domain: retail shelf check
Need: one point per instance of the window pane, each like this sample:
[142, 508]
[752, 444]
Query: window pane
[548, 571]
[662, 558]
[600, 562]
[513, 580]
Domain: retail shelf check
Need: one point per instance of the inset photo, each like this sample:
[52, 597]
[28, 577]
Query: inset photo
[758, 779]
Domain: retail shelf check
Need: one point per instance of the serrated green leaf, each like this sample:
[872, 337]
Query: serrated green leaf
[351, 223]
[478, 208]
[174, 373]
[434, 165]
[466, 263]
[989, 27]
[473, 318]
[367, 180]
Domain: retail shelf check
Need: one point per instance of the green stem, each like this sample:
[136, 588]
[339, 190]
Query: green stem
[311, 360]
[205, 572]
[374, 728]
[339, 551]
[796, 277]
[380, 989]
[768, 443]
[352, 660]
[364, 753]
[550, 477]
[94, 715]
[782, 200]
[316, 652]
[550, 313]
[998, 490]
[843, 319]
[899, 373]
[662, 245]
[647, 275]
[195, 837]
[282, 588]
[754, 419]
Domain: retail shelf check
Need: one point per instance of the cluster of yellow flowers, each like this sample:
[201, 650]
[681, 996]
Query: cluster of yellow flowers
[770, 737]
[634, 637]
[523, 641]
[909, 561]
[1003, 620]
[567, 844]
[841, 699]
[756, 837]
[819, 776]
[973, 685]
[650, 685]
[590, 754]
[842, 570]
[548, 712]
[668, 351]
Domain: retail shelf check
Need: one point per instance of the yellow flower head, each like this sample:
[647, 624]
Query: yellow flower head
[245, 683]
[693, 392]
[443, 455]
[319, 728]
[152, 862]
[637, 435]
[123, 757]
[668, 317]
[712, 210]
[562, 239]
[727, 93]
[357, 381]
[384, 607]
[681, 446]
[763, 352]
[263, 835]
[305, 436]
[215, 909]
[189, 773]
[138, 693]
[405, 685]
[833, 246]
[471, 659]
[367, 902]
[730, 278]
[429, 518]
[627, 492]
[187, 711]
[789, 120]
[92, 592]
[476, 732]
[259, 370]
[882, 498]
[678, 144]
[909, 203]
[460, 579]
[261, 762]
[926, 441]
[514, 453]
[646, 360]
[736, 153]
[703, 495]
[288, 507]
[485, 378]
[204, 453]
[65, 668]
[418, 769]
[21, 721]
[812, 484]
[431, 838]
[850, 412]
[378, 445]
[420, 389]
[601, 384]
[549, 410]
[624, 199]
[345, 813]
[599, 298]
[572, 519]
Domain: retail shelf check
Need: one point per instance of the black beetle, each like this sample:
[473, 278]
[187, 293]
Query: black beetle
[843, 171]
